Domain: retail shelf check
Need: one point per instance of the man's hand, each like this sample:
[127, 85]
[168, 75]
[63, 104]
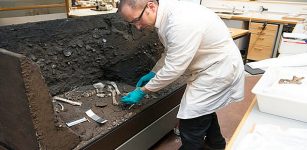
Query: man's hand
[145, 79]
[133, 97]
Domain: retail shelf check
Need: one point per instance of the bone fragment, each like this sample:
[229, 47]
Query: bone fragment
[131, 106]
[61, 105]
[114, 98]
[111, 89]
[89, 93]
[153, 96]
[295, 80]
[67, 101]
[99, 85]
[115, 87]
[101, 95]
[69, 124]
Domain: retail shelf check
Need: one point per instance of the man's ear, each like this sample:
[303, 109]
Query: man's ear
[151, 5]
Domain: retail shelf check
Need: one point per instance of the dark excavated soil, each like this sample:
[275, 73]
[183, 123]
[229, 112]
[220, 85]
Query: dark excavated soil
[75, 53]
[82, 51]
[103, 107]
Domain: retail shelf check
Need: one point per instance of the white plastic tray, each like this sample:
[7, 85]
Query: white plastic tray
[287, 100]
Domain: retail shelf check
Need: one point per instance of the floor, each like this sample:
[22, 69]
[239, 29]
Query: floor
[229, 118]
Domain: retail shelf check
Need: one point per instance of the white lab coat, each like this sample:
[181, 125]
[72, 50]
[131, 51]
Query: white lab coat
[198, 43]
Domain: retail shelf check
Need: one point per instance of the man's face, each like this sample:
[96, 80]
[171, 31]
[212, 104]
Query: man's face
[139, 17]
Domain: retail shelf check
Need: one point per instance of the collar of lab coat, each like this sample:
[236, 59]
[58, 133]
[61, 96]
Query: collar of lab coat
[160, 13]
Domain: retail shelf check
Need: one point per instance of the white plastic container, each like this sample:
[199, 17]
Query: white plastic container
[286, 100]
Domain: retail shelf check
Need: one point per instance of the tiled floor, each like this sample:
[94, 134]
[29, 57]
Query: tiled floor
[229, 118]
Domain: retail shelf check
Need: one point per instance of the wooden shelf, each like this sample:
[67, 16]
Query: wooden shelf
[33, 7]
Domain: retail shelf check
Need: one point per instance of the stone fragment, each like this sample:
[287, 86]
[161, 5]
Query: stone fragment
[67, 52]
[101, 104]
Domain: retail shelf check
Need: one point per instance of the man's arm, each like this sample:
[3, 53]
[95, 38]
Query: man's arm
[183, 41]
[159, 64]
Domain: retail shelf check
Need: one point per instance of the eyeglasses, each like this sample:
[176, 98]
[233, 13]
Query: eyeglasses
[136, 20]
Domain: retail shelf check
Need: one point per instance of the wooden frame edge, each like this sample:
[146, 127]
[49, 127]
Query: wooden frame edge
[236, 133]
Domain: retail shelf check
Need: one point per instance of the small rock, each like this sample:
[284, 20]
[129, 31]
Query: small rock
[147, 96]
[153, 96]
[96, 36]
[128, 115]
[30, 45]
[80, 44]
[33, 57]
[115, 53]
[126, 37]
[110, 47]
[41, 62]
[67, 52]
[115, 123]
[87, 47]
[101, 104]
[53, 66]
[60, 43]
[86, 136]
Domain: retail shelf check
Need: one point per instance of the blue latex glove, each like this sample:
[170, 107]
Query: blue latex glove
[133, 97]
[145, 79]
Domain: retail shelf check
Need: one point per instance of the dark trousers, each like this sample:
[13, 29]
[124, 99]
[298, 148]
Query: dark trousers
[193, 131]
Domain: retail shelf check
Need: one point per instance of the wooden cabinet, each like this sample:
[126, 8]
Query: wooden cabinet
[262, 40]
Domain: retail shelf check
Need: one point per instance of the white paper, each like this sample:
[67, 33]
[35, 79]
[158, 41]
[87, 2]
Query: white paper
[295, 35]
[270, 137]
[297, 60]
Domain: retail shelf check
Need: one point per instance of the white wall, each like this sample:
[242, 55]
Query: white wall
[27, 19]
[29, 12]
[193, 1]
[300, 8]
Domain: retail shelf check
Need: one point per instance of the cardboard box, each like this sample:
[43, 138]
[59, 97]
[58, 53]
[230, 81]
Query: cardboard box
[286, 100]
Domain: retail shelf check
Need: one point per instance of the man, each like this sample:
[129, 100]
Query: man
[197, 42]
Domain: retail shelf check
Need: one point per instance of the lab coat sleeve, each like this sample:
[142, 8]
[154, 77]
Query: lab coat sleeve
[159, 64]
[183, 41]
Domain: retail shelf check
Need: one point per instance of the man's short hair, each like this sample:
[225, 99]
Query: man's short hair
[134, 3]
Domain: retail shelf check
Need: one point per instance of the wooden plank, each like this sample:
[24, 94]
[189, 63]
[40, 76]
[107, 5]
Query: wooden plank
[33, 7]
[235, 135]
[293, 18]
[67, 7]
[255, 19]
[237, 32]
